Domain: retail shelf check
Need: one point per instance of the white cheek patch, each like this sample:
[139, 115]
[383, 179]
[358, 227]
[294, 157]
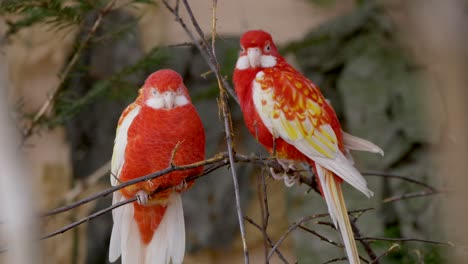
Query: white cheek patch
[181, 100]
[161, 102]
[267, 61]
[242, 63]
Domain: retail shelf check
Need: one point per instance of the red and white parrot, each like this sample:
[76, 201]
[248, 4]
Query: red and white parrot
[288, 115]
[160, 123]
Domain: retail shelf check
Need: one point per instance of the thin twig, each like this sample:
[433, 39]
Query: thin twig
[151, 176]
[400, 177]
[405, 240]
[406, 196]
[226, 114]
[82, 185]
[390, 249]
[335, 260]
[323, 238]
[89, 217]
[430, 190]
[290, 229]
[264, 212]
[105, 210]
[173, 153]
[218, 160]
[357, 233]
[203, 48]
[55, 91]
[270, 243]
[303, 220]
[183, 44]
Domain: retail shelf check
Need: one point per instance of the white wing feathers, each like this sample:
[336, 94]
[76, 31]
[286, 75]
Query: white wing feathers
[124, 227]
[357, 143]
[120, 143]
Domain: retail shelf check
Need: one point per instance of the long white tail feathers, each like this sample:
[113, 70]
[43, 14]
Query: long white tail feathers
[168, 242]
[357, 143]
[338, 212]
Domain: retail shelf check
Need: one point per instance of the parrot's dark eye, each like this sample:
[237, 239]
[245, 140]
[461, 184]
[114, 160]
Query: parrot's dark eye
[242, 49]
[154, 92]
[179, 90]
[267, 47]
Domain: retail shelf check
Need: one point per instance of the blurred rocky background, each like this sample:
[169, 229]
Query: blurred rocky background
[380, 63]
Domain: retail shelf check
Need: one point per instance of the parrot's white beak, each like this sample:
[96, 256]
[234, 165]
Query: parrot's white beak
[169, 99]
[254, 55]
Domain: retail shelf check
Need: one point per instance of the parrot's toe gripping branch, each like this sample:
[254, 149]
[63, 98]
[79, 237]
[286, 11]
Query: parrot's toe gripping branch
[142, 197]
[289, 180]
[287, 165]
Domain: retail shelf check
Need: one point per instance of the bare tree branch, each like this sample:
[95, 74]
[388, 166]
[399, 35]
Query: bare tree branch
[202, 47]
[299, 222]
[406, 196]
[270, 243]
[335, 260]
[226, 114]
[390, 249]
[217, 161]
[264, 211]
[400, 177]
[81, 185]
[430, 190]
[218, 158]
[210, 58]
[323, 238]
[357, 233]
[406, 240]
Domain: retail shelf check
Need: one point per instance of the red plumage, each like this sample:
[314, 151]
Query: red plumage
[288, 114]
[161, 124]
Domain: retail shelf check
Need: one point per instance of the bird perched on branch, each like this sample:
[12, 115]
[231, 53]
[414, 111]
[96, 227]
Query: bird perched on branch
[288, 115]
[160, 128]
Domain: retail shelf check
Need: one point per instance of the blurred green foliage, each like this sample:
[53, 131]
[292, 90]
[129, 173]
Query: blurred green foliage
[58, 13]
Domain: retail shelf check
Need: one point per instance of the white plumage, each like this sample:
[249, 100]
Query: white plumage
[167, 245]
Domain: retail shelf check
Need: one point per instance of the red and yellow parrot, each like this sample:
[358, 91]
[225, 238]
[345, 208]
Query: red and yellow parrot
[288, 114]
[160, 124]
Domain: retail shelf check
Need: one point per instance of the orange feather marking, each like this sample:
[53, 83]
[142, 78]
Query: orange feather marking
[148, 219]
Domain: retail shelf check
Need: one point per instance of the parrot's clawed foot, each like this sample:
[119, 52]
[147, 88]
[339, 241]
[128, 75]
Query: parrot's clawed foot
[150, 183]
[287, 164]
[289, 180]
[182, 186]
[142, 197]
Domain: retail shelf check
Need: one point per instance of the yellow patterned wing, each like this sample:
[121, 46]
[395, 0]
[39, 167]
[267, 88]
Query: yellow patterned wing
[292, 108]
